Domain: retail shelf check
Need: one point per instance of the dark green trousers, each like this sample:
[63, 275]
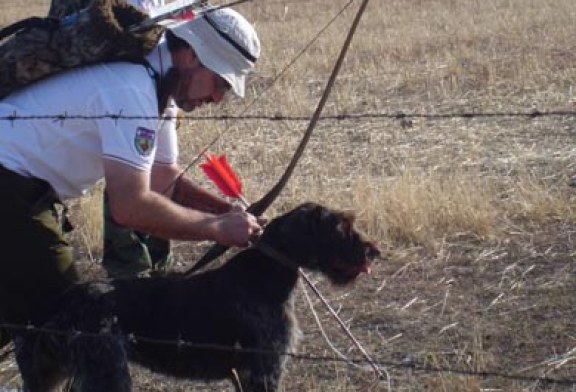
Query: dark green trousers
[35, 259]
[129, 253]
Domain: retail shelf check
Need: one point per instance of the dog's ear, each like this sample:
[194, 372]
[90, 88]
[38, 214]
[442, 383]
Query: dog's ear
[346, 224]
[349, 231]
[295, 229]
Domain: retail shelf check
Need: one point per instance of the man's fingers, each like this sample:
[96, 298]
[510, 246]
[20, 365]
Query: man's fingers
[262, 221]
[240, 228]
[255, 234]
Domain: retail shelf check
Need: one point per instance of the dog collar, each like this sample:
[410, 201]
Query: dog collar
[274, 254]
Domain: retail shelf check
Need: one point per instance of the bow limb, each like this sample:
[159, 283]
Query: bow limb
[259, 207]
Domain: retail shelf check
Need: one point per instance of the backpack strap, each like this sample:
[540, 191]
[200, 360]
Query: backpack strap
[155, 75]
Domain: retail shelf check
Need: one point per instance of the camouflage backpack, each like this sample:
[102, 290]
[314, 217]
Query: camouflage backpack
[76, 32]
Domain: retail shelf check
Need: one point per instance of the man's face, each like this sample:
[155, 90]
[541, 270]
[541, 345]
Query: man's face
[197, 85]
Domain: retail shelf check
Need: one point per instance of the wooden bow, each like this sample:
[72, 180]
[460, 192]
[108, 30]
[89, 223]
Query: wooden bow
[259, 207]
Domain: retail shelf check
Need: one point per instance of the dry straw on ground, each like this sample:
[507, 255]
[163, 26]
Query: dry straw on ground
[474, 214]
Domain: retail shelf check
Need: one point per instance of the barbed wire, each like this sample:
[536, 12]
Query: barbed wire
[408, 364]
[281, 117]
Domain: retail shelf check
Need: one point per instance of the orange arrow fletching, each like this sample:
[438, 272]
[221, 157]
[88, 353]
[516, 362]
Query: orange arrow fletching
[219, 171]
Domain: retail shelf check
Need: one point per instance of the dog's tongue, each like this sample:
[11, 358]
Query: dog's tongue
[364, 269]
[354, 271]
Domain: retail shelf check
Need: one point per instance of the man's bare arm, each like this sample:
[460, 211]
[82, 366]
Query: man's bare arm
[135, 205]
[167, 179]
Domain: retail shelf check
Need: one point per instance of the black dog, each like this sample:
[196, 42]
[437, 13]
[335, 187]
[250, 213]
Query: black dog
[237, 317]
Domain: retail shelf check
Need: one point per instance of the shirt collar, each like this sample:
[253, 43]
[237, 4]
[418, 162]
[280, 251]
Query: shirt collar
[160, 58]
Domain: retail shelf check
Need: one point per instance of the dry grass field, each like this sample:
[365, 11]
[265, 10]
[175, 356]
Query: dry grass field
[477, 287]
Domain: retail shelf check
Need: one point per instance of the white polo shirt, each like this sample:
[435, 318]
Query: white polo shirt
[69, 152]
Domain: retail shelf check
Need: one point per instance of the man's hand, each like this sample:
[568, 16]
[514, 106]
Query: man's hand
[237, 228]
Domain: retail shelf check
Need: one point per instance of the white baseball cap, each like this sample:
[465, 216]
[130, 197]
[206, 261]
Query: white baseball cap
[224, 41]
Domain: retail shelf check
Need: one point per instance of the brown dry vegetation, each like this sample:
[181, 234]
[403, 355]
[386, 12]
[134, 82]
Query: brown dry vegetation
[474, 214]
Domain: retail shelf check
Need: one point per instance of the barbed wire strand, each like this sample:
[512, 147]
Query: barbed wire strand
[411, 365]
[280, 117]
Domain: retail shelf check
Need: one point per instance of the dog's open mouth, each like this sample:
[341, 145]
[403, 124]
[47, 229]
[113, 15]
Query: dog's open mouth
[347, 272]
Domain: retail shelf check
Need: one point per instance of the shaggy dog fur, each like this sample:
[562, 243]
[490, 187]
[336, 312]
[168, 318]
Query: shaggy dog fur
[239, 316]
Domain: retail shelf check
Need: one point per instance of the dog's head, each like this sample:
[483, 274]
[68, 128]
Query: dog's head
[322, 239]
